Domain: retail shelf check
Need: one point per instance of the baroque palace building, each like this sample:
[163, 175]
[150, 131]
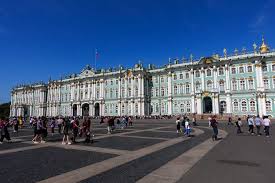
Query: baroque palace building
[238, 84]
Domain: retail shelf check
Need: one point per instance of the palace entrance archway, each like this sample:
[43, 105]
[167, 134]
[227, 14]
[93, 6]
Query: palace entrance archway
[97, 109]
[207, 105]
[85, 109]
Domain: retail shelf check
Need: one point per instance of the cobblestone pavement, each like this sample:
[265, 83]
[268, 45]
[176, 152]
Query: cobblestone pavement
[150, 151]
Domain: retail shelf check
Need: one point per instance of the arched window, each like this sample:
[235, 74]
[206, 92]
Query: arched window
[221, 72]
[188, 107]
[244, 107]
[234, 85]
[252, 106]
[208, 72]
[250, 84]
[175, 89]
[209, 85]
[268, 106]
[198, 86]
[223, 106]
[187, 88]
[197, 74]
[182, 108]
[162, 91]
[236, 106]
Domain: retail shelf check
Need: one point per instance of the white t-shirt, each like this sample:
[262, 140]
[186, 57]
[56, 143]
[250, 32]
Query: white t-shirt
[187, 125]
[266, 122]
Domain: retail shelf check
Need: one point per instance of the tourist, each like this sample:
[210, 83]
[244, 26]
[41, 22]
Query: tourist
[194, 121]
[178, 124]
[52, 125]
[60, 121]
[239, 124]
[130, 121]
[66, 127]
[209, 121]
[214, 125]
[4, 132]
[251, 124]
[39, 131]
[75, 127]
[187, 128]
[258, 123]
[86, 130]
[266, 123]
[15, 125]
[230, 121]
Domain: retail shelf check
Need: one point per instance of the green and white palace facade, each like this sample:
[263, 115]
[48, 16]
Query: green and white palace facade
[238, 84]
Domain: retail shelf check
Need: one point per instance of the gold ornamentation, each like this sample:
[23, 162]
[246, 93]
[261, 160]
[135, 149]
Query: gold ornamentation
[264, 48]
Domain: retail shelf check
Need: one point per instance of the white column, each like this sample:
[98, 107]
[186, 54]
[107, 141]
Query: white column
[139, 85]
[170, 93]
[259, 77]
[228, 104]
[89, 91]
[199, 102]
[72, 92]
[78, 91]
[132, 108]
[227, 79]
[202, 80]
[192, 81]
[193, 110]
[215, 77]
[126, 89]
[215, 104]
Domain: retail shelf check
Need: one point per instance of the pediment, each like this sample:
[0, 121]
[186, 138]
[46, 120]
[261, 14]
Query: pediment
[87, 71]
[208, 60]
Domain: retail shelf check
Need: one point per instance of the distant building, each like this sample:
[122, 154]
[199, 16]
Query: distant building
[239, 84]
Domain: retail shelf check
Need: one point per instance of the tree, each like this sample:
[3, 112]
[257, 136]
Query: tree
[5, 110]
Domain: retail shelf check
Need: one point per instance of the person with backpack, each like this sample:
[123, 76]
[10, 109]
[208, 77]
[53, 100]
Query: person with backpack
[214, 125]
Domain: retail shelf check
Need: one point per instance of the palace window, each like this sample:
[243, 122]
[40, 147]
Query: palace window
[162, 92]
[221, 71]
[188, 107]
[97, 94]
[268, 106]
[122, 109]
[175, 90]
[106, 93]
[157, 92]
[116, 93]
[181, 76]
[208, 72]
[250, 84]
[187, 75]
[129, 80]
[123, 81]
[187, 88]
[162, 79]
[264, 68]
[234, 85]
[175, 76]
[233, 70]
[209, 85]
[156, 80]
[273, 67]
[197, 74]
[181, 88]
[235, 106]
[116, 109]
[122, 92]
[81, 95]
[244, 107]
[129, 92]
[252, 106]
[111, 93]
[249, 68]
[223, 106]
[136, 106]
[157, 108]
[221, 85]
[242, 84]
[198, 86]
[112, 82]
[182, 108]
[241, 70]
[116, 81]
[136, 91]
[266, 84]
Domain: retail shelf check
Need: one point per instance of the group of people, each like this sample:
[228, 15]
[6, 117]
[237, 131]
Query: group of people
[183, 125]
[116, 122]
[253, 122]
[68, 126]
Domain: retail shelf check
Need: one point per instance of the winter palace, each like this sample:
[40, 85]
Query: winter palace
[239, 84]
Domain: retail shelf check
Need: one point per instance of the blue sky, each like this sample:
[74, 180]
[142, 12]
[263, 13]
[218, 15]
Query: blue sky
[42, 39]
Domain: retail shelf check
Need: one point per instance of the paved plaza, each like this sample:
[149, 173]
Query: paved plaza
[150, 151]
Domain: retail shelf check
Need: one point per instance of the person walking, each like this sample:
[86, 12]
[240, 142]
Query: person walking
[75, 127]
[66, 127]
[187, 128]
[239, 124]
[258, 123]
[266, 123]
[178, 124]
[194, 121]
[4, 124]
[251, 125]
[214, 125]
[60, 121]
[229, 121]
[52, 125]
